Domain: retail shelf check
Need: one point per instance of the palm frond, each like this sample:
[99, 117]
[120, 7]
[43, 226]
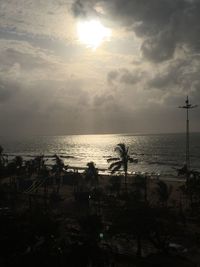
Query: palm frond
[117, 168]
[120, 148]
[112, 159]
[115, 164]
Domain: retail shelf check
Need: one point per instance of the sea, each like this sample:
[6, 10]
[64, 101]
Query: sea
[161, 154]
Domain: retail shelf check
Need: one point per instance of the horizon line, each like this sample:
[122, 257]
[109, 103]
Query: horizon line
[85, 134]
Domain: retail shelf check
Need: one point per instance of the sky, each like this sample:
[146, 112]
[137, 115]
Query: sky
[51, 83]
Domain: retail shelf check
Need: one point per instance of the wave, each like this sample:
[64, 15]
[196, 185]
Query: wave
[68, 157]
[163, 163]
[45, 156]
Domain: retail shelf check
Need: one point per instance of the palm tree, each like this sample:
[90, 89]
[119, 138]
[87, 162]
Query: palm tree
[18, 160]
[58, 169]
[18, 166]
[3, 161]
[91, 174]
[164, 191]
[122, 161]
[191, 188]
[1, 155]
[38, 164]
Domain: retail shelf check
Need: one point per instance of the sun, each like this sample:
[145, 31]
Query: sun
[92, 33]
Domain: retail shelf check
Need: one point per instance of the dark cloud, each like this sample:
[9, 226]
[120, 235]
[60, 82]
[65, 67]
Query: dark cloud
[163, 25]
[83, 9]
[160, 47]
[182, 74]
[128, 77]
[112, 75]
[125, 76]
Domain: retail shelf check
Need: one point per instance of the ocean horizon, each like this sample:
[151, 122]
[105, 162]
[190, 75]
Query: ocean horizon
[158, 153]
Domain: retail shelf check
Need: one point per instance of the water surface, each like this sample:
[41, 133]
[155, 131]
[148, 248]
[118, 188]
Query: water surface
[156, 153]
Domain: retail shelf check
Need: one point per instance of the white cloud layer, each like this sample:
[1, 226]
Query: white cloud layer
[51, 84]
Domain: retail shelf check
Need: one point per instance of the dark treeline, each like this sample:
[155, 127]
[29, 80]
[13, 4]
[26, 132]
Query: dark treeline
[50, 216]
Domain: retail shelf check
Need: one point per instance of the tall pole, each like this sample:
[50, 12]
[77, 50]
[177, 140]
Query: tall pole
[187, 106]
[187, 154]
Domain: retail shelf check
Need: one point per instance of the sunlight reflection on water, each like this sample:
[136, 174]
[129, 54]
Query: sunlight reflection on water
[158, 153]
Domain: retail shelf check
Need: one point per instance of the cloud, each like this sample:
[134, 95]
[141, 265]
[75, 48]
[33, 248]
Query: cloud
[29, 57]
[103, 101]
[38, 93]
[125, 76]
[163, 25]
[83, 9]
[170, 47]
[43, 107]
[159, 48]
[181, 75]
[47, 19]
[130, 78]
[7, 90]
[51, 84]
[112, 76]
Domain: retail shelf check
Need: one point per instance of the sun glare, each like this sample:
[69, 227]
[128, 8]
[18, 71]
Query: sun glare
[92, 33]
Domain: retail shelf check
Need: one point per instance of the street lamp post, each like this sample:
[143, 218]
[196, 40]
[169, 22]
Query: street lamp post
[187, 106]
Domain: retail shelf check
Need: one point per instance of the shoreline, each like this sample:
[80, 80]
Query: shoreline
[157, 169]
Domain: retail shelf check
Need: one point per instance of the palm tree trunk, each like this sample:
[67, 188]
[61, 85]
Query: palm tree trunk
[125, 181]
[58, 185]
[145, 189]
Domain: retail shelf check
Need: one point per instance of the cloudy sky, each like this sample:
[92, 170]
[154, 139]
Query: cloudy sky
[52, 83]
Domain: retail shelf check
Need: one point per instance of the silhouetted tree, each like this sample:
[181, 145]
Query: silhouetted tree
[192, 188]
[91, 174]
[18, 160]
[133, 220]
[136, 220]
[38, 164]
[164, 191]
[29, 167]
[14, 169]
[3, 161]
[58, 169]
[91, 227]
[122, 161]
